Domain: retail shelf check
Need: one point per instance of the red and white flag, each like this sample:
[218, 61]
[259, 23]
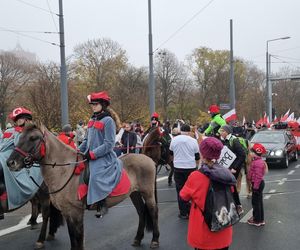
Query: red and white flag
[291, 117]
[275, 119]
[244, 120]
[230, 116]
[286, 115]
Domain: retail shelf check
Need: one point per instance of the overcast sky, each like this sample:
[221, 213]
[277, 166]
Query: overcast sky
[126, 21]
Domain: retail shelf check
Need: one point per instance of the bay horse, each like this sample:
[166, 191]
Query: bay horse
[63, 184]
[156, 146]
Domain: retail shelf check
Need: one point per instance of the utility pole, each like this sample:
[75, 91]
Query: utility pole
[151, 85]
[231, 85]
[63, 69]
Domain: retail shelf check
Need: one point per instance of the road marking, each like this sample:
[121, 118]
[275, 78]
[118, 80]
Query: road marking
[282, 181]
[22, 224]
[298, 166]
[266, 197]
[247, 216]
[162, 178]
[291, 172]
[272, 191]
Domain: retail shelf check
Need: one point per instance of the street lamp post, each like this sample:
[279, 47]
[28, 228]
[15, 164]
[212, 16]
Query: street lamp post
[269, 84]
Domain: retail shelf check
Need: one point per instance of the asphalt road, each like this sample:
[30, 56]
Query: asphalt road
[117, 229]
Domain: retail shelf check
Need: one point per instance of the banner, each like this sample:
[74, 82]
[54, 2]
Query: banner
[227, 157]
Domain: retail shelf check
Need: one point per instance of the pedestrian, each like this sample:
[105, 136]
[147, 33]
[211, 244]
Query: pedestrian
[216, 121]
[105, 167]
[186, 156]
[195, 190]
[67, 136]
[258, 168]
[80, 132]
[16, 188]
[128, 140]
[236, 147]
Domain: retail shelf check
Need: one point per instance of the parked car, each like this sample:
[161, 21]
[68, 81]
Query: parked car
[281, 146]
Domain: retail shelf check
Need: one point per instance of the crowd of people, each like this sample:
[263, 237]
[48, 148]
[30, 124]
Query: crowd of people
[191, 148]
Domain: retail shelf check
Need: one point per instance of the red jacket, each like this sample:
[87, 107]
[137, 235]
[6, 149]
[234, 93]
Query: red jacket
[199, 235]
[67, 139]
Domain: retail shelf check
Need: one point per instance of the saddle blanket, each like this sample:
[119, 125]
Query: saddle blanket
[122, 187]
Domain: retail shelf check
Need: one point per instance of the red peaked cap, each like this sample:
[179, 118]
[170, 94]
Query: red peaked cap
[259, 149]
[214, 109]
[96, 97]
[18, 112]
[155, 115]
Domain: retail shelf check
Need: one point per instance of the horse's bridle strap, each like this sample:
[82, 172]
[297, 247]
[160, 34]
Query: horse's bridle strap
[21, 152]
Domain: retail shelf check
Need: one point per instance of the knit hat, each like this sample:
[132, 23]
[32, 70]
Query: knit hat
[227, 128]
[210, 148]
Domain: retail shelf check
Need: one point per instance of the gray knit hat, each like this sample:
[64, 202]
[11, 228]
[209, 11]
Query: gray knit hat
[227, 128]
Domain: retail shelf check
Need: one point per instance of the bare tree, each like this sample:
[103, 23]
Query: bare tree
[15, 72]
[98, 61]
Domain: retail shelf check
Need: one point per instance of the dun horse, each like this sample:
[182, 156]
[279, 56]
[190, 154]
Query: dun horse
[60, 177]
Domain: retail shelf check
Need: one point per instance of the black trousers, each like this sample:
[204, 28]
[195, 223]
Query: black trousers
[180, 177]
[257, 203]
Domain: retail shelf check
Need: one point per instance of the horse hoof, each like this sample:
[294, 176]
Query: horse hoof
[50, 237]
[154, 244]
[136, 243]
[39, 245]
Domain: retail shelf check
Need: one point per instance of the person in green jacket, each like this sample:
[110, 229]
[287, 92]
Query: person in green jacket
[216, 122]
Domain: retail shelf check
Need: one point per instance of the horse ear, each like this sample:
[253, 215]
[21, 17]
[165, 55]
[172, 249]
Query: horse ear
[40, 125]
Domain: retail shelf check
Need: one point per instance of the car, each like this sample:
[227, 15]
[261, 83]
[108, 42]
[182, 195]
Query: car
[281, 146]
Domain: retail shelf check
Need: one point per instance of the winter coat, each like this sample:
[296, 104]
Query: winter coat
[257, 171]
[216, 123]
[19, 187]
[129, 139]
[67, 138]
[195, 189]
[105, 169]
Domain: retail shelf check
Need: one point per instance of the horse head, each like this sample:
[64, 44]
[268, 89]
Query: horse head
[30, 148]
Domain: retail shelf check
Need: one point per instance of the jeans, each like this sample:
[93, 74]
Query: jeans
[257, 203]
[180, 177]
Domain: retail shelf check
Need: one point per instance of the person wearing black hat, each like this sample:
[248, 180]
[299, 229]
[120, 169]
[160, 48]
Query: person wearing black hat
[235, 146]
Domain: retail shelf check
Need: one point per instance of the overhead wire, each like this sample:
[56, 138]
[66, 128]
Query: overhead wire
[32, 37]
[37, 7]
[185, 24]
[293, 65]
[52, 15]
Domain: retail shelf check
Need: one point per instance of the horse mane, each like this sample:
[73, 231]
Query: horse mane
[153, 137]
[116, 118]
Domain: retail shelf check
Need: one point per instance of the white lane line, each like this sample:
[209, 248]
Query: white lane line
[162, 178]
[247, 216]
[272, 191]
[282, 181]
[291, 172]
[22, 224]
[266, 197]
[298, 166]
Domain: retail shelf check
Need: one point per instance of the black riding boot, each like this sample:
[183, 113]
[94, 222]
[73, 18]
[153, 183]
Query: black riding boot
[2, 209]
[102, 208]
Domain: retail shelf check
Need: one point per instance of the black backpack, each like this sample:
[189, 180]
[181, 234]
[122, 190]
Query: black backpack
[219, 210]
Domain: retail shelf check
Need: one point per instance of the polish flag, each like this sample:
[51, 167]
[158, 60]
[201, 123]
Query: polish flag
[286, 115]
[275, 119]
[291, 117]
[230, 116]
[244, 120]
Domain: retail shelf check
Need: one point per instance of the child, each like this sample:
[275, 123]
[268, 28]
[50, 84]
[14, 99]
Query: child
[195, 189]
[258, 169]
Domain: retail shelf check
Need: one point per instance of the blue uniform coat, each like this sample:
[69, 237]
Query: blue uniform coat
[105, 170]
[19, 187]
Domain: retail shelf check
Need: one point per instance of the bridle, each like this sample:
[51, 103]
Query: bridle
[31, 157]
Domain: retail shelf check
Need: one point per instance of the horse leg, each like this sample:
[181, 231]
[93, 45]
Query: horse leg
[139, 204]
[152, 220]
[45, 214]
[56, 220]
[34, 212]
[170, 177]
[75, 228]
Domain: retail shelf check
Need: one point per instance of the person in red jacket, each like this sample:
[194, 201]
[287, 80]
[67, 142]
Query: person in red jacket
[67, 136]
[195, 189]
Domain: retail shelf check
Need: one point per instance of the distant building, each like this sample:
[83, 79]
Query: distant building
[21, 53]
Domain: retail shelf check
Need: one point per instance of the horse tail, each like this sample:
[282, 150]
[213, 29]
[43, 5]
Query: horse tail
[148, 219]
[56, 219]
